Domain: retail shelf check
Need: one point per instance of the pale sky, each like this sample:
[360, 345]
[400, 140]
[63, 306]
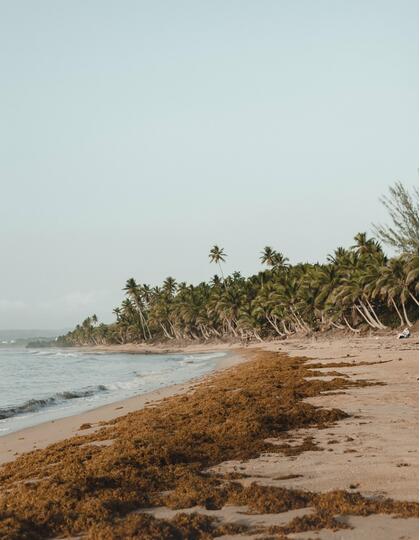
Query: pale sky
[134, 135]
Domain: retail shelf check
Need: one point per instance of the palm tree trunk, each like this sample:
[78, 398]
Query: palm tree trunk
[174, 331]
[299, 324]
[274, 325]
[286, 330]
[398, 311]
[304, 325]
[141, 322]
[414, 298]
[370, 316]
[370, 323]
[230, 325]
[339, 326]
[350, 327]
[374, 314]
[147, 326]
[165, 331]
[409, 323]
[221, 271]
[203, 331]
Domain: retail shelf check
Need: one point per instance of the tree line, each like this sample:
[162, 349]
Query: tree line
[357, 288]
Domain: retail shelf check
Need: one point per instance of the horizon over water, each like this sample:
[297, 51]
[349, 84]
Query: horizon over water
[38, 385]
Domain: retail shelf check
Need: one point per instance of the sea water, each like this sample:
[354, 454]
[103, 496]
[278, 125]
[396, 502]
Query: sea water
[41, 385]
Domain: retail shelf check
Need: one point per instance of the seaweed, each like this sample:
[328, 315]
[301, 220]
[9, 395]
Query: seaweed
[160, 455]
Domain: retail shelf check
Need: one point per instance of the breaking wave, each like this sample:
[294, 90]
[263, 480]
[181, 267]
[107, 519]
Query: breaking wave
[34, 405]
[40, 385]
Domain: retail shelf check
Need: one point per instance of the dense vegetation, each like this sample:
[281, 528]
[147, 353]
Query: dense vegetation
[357, 288]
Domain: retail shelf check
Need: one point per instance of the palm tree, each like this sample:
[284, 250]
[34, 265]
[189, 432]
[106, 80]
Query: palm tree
[218, 255]
[273, 258]
[268, 256]
[365, 245]
[411, 266]
[169, 286]
[356, 288]
[393, 284]
[134, 292]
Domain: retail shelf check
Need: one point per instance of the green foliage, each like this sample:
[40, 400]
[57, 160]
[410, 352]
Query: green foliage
[358, 288]
[403, 209]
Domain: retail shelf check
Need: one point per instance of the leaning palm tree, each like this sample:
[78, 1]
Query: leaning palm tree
[393, 285]
[218, 255]
[134, 292]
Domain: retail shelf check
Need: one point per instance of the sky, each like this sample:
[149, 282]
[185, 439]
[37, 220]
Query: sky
[134, 135]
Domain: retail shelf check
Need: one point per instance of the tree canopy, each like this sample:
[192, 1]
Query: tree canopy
[403, 209]
[356, 288]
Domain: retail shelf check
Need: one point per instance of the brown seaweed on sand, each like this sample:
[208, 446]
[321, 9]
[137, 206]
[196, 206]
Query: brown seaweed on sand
[158, 456]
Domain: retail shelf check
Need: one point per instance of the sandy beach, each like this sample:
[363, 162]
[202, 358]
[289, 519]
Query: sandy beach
[373, 451]
[209, 304]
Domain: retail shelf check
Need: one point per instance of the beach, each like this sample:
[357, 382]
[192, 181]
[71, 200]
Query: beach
[372, 450]
[45, 433]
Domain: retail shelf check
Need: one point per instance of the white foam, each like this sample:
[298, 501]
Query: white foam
[59, 372]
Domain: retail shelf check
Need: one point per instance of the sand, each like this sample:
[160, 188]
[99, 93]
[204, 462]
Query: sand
[382, 457]
[374, 451]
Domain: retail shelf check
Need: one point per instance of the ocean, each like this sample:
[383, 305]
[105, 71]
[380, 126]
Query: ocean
[41, 385]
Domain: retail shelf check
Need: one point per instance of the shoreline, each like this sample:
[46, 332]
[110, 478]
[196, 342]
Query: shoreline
[45, 433]
[142, 348]
[371, 452]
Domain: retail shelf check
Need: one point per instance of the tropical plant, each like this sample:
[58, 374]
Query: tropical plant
[403, 209]
[218, 255]
[357, 288]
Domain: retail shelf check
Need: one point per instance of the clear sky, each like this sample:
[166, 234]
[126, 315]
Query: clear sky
[134, 135]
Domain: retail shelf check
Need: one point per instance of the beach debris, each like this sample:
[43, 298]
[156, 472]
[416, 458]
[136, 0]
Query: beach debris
[161, 456]
[404, 334]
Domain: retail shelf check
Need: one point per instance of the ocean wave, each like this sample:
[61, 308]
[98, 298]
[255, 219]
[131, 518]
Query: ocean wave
[200, 359]
[34, 405]
[55, 354]
[140, 380]
[126, 385]
[205, 356]
[129, 377]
